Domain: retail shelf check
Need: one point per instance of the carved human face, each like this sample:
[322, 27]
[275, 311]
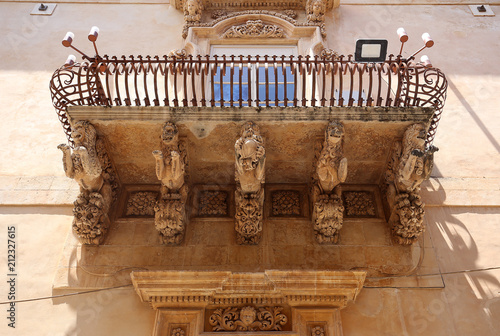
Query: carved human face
[191, 7]
[247, 315]
[334, 133]
[169, 134]
[317, 8]
[78, 134]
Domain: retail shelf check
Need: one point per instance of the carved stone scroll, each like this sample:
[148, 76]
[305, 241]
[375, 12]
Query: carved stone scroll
[411, 163]
[90, 166]
[171, 163]
[248, 319]
[330, 171]
[254, 28]
[249, 175]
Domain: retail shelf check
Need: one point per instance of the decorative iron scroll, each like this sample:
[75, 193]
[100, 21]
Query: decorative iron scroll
[248, 319]
[175, 81]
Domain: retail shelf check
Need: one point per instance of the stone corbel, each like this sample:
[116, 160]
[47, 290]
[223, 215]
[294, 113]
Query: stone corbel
[171, 164]
[410, 164]
[89, 165]
[329, 171]
[250, 177]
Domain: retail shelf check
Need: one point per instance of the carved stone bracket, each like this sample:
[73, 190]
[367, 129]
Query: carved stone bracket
[410, 164]
[171, 164]
[254, 28]
[249, 176]
[330, 170]
[90, 166]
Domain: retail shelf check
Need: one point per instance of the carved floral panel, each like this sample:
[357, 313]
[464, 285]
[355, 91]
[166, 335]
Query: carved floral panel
[286, 203]
[359, 204]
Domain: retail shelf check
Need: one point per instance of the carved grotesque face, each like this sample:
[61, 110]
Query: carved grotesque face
[329, 216]
[78, 134]
[249, 154]
[334, 133]
[169, 134]
[88, 214]
[248, 315]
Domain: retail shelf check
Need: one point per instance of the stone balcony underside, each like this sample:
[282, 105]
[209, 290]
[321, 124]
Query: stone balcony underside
[290, 134]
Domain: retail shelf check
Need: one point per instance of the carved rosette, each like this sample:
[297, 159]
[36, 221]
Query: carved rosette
[178, 332]
[249, 175]
[411, 163]
[318, 331]
[90, 166]
[254, 28]
[248, 319]
[330, 170]
[171, 164]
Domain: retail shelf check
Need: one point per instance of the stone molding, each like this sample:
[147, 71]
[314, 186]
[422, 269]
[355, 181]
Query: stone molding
[192, 289]
[225, 4]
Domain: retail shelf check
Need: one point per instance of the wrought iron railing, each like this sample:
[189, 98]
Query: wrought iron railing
[242, 81]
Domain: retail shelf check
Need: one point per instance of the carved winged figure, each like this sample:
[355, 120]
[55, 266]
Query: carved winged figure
[332, 165]
[83, 164]
[170, 161]
[250, 159]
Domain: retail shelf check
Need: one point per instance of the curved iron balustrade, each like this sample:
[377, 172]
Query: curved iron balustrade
[247, 81]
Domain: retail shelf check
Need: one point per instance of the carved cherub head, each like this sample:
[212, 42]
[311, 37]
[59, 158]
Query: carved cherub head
[170, 134]
[315, 10]
[83, 132]
[192, 8]
[334, 132]
[248, 315]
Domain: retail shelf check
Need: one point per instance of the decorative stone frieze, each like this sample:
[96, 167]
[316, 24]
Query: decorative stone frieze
[248, 318]
[141, 203]
[249, 176]
[171, 164]
[359, 203]
[90, 166]
[286, 203]
[290, 13]
[410, 164]
[213, 203]
[329, 171]
[254, 28]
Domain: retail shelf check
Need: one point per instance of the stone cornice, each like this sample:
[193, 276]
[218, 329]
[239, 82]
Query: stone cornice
[254, 4]
[295, 288]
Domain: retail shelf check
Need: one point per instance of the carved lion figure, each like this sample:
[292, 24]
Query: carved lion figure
[315, 10]
[170, 220]
[331, 167]
[192, 11]
[328, 217]
[90, 220]
[250, 159]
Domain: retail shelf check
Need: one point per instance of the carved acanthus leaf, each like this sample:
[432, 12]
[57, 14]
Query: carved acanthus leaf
[248, 319]
[170, 219]
[254, 28]
[408, 224]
